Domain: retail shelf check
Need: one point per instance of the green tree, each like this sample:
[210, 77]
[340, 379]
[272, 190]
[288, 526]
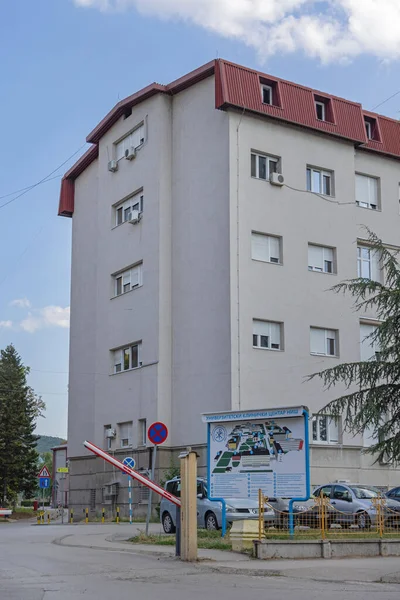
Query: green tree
[19, 410]
[373, 387]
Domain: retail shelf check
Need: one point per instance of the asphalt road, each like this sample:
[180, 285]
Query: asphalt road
[32, 567]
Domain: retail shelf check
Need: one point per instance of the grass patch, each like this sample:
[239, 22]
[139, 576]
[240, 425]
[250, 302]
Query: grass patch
[209, 540]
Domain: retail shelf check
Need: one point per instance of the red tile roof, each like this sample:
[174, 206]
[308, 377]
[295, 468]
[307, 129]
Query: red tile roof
[239, 87]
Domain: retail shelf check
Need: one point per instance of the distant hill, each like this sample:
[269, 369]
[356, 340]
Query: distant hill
[47, 442]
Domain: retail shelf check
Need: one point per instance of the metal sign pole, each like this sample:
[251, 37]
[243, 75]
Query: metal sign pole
[153, 469]
[43, 499]
[130, 500]
[62, 499]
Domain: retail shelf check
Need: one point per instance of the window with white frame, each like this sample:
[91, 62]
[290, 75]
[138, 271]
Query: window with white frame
[267, 94]
[266, 248]
[123, 210]
[321, 259]
[320, 181]
[267, 335]
[108, 438]
[128, 280]
[142, 434]
[125, 434]
[262, 166]
[320, 109]
[368, 263]
[132, 140]
[325, 429]
[367, 191]
[323, 342]
[369, 345]
[128, 358]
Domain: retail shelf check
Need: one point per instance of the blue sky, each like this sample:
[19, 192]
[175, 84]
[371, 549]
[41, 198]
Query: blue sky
[67, 64]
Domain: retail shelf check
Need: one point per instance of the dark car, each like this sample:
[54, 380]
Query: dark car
[394, 494]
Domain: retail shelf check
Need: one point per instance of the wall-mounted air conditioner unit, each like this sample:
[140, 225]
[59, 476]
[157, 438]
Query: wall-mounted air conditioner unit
[130, 153]
[277, 179]
[110, 433]
[136, 215]
[113, 166]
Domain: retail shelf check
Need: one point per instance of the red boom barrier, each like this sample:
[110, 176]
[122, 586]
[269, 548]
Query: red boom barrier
[144, 480]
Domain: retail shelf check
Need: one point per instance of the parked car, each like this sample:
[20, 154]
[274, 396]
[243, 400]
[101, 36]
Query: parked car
[394, 494]
[351, 504]
[209, 513]
[304, 513]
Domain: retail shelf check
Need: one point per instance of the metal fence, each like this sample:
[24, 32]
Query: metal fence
[318, 518]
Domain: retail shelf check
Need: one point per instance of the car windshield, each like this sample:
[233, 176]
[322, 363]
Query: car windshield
[365, 492]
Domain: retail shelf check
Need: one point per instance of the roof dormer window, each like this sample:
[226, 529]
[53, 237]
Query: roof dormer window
[266, 91]
[371, 128]
[320, 110]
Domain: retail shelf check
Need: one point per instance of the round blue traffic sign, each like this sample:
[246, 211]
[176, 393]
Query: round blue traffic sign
[129, 462]
[157, 433]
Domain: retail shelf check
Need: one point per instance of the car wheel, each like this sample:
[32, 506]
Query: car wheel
[363, 521]
[211, 522]
[168, 524]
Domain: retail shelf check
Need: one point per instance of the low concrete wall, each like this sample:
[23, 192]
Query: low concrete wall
[270, 549]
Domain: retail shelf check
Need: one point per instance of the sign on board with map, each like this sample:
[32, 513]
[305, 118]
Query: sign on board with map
[265, 450]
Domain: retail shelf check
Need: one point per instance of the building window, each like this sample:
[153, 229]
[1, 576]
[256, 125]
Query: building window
[367, 192]
[371, 128]
[325, 430]
[123, 210]
[126, 359]
[319, 181]
[369, 345]
[323, 341]
[267, 335]
[267, 94]
[321, 259]
[262, 166]
[142, 432]
[368, 264]
[127, 280]
[133, 140]
[125, 434]
[266, 248]
[368, 129]
[108, 437]
[320, 110]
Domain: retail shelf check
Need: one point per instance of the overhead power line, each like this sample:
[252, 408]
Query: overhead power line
[26, 190]
[387, 100]
[29, 187]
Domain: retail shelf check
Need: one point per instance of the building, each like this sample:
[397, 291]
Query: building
[60, 480]
[210, 217]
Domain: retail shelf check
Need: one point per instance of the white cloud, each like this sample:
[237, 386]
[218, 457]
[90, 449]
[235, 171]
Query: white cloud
[21, 303]
[49, 316]
[330, 30]
[5, 324]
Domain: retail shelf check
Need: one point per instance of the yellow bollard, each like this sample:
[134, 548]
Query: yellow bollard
[103, 515]
[117, 514]
[48, 518]
[38, 518]
[86, 516]
[71, 516]
[42, 518]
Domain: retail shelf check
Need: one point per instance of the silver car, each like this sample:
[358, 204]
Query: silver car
[209, 514]
[351, 504]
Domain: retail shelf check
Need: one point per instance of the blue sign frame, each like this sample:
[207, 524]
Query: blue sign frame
[44, 482]
[257, 415]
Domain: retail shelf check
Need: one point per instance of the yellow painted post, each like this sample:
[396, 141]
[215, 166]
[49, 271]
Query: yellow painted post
[38, 518]
[261, 524]
[103, 514]
[48, 518]
[117, 514]
[323, 515]
[42, 518]
[71, 516]
[189, 506]
[86, 516]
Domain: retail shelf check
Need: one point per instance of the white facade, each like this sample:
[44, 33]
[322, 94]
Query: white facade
[231, 308]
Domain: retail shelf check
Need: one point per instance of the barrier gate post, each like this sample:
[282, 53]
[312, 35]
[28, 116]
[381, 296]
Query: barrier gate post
[189, 506]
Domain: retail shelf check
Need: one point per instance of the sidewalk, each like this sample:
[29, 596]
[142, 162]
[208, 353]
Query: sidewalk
[365, 570]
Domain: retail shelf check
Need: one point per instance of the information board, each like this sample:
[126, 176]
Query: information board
[267, 450]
